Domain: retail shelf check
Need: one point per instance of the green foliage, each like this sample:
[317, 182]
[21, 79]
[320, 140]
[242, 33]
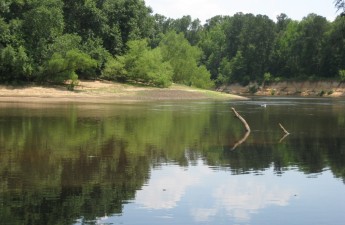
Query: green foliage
[61, 68]
[184, 60]
[62, 44]
[342, 75]
[238, 48]
[140, 64]
[114, 69]
[42, 24]
[15, 65]
[237, 69]
[267, 77]
[151, 69]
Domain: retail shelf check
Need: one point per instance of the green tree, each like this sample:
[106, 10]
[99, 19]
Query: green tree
[334, 49]
[342, 75]
[238, 48]
[237, 70]
[184, 60]
[84, 17]
[140, 64]
[151, 69]
[311, 41]
[114, 69]
[61, 68]
[213, 45]
[15, 65]
[284, 61]
[42, 24]
[127, 20]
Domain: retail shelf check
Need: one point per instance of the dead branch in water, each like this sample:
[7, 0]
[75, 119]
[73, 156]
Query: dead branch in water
[246, 135]
[241, 119]
[285, 131]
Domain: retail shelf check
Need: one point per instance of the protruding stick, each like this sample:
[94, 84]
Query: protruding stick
[246, 135]
[285, 131]
[242, 120]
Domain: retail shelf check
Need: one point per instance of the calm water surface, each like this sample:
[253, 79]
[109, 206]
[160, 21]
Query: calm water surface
[173, 163]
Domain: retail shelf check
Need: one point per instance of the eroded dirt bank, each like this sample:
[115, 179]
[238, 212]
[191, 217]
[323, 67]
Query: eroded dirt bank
[306, 88]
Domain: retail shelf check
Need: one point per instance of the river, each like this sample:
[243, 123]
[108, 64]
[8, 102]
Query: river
[173, 162]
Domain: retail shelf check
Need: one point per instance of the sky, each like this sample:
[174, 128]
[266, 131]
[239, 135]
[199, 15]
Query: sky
[206, 9]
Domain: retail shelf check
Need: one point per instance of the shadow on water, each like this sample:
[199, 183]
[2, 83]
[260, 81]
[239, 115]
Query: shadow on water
[65, 162]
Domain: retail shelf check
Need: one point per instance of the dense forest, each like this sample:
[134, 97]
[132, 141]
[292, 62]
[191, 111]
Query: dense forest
[56, 41]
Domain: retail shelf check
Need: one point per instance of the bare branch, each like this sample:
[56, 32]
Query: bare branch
[285, 131]
[246, 135]
[242, 120]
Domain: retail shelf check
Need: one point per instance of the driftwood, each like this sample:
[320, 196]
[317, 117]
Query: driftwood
[246, 135]
[242, 120]
[285, 131]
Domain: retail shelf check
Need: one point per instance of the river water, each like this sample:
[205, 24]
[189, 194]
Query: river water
[173, 162]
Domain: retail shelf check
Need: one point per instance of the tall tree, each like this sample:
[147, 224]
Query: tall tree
[311, 41]
[334, 52]
[213, 45]
[184, 60]
[42, 24]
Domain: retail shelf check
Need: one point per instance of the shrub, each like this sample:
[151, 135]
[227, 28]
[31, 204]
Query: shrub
[342, 75]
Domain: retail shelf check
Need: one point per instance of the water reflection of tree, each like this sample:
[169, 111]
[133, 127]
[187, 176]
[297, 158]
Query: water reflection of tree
[55, 169]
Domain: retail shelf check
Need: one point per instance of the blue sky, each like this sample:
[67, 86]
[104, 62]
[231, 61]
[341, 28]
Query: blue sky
[206, 9]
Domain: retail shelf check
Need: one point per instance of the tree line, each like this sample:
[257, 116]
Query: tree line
[65, 40]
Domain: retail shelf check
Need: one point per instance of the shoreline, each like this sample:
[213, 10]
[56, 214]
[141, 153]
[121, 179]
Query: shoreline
[107, 92]
[113, 92]
[289, 88]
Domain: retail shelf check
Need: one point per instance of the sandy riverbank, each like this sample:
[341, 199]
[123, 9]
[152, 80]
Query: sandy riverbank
[305, 88]
[107, 92]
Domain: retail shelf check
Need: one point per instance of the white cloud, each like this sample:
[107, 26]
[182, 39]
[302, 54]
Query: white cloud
[203, 214]
[237, 197]
[241, 198]
[165, 190]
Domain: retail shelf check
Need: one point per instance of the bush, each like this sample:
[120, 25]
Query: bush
[342, 75]
[114, 69]
[253, 89]
[140, 64]
[61, 68]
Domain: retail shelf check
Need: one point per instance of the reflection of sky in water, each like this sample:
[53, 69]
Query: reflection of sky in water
[200, 195]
